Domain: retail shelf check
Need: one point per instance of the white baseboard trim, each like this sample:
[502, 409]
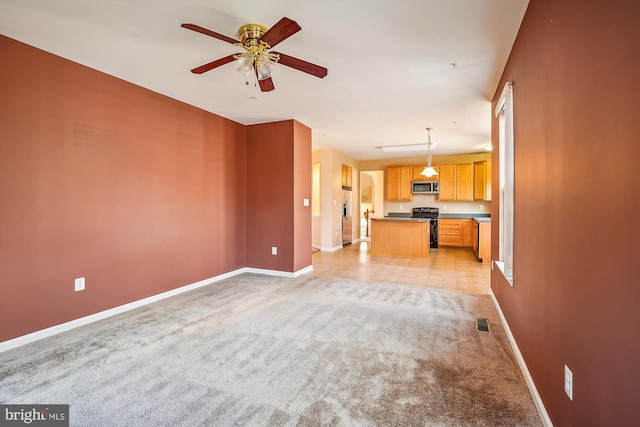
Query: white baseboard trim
[333, 249]
[537, 400]
[76, 323]
[305, 270]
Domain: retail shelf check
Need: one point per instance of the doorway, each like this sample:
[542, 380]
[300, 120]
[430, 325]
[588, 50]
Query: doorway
[371, 200]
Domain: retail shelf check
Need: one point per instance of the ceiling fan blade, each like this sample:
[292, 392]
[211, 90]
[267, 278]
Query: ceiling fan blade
[283, 29]
[214, 64]
[304, 66]
[266, 85]
[213, 34]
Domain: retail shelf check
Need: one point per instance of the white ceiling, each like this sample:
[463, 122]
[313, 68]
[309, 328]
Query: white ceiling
[391, 62]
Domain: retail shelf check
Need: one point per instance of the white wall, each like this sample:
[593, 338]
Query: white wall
[327, 229]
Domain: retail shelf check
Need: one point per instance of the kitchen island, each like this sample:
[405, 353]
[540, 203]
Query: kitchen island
[400, 237]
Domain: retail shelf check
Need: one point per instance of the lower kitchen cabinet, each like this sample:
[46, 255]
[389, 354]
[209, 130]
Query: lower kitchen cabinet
[467, 233]
[455, 232]
[482, 240]
[449, 232]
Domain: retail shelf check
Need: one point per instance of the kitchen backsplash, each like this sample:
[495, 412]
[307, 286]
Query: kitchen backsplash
[432, 201]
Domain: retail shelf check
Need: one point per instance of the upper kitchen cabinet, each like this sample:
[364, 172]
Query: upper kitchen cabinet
[418, 177]
[447, 176]
[482, 185]
[399, 183]
[464, 191]
[346, 176]
[456, 182]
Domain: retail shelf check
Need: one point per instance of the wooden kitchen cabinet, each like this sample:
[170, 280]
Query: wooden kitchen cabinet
[482, 180]
[456, 182]
[476, 231]
[418, 177]
[455, 232]
[449, 232]
[347, 173]
[399, 183]
[447, 176]
[482, 240]
[399, 238]
[467, 233]
[464, 189]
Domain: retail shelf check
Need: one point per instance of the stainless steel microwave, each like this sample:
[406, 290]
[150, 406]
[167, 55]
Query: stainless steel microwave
[425, 187]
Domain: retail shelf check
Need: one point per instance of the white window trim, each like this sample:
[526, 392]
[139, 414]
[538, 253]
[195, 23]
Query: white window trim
[507, 183]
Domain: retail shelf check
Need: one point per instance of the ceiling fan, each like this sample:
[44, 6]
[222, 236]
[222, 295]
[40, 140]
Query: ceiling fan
[256, 41]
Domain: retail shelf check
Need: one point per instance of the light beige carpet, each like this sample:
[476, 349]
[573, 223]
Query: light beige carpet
[259, 350]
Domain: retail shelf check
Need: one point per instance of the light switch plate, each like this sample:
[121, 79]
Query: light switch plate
[79, 284]
[568, 382]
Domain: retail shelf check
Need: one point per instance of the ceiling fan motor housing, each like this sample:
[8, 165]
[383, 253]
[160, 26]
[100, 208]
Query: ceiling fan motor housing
[250, 34]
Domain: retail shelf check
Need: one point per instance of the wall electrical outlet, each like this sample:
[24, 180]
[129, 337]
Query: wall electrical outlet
[568, 382]
[79, 284]
[274, 250]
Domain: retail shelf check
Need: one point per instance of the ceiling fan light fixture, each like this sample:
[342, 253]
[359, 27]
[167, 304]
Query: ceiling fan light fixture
[264, 66]
[245, 63]
[256, 56]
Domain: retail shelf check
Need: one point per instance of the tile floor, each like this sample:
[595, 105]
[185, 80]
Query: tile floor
[450, 268]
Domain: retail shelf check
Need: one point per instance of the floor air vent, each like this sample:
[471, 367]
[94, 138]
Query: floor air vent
[483, 324]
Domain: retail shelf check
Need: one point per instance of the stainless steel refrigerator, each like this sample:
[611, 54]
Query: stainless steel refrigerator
[347, 219]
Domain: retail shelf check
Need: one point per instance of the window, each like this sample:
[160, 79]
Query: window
[504, 112]
[315, 190]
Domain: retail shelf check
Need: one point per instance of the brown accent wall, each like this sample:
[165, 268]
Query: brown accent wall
[575, 67]
[103, 179]
[278, 178]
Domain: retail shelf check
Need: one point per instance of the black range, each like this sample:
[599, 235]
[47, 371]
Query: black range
[433, 214]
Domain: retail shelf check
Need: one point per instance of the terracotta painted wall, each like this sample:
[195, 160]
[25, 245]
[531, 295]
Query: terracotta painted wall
[575, 68]
[102, 179]
[302, 234]
[278, 178]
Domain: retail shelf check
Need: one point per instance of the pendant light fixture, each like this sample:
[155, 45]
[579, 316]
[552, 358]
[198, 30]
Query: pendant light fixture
[429, 171]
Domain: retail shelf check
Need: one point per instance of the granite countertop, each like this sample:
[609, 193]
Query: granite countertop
[479, 216]
[482, 219]
[401, 219]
